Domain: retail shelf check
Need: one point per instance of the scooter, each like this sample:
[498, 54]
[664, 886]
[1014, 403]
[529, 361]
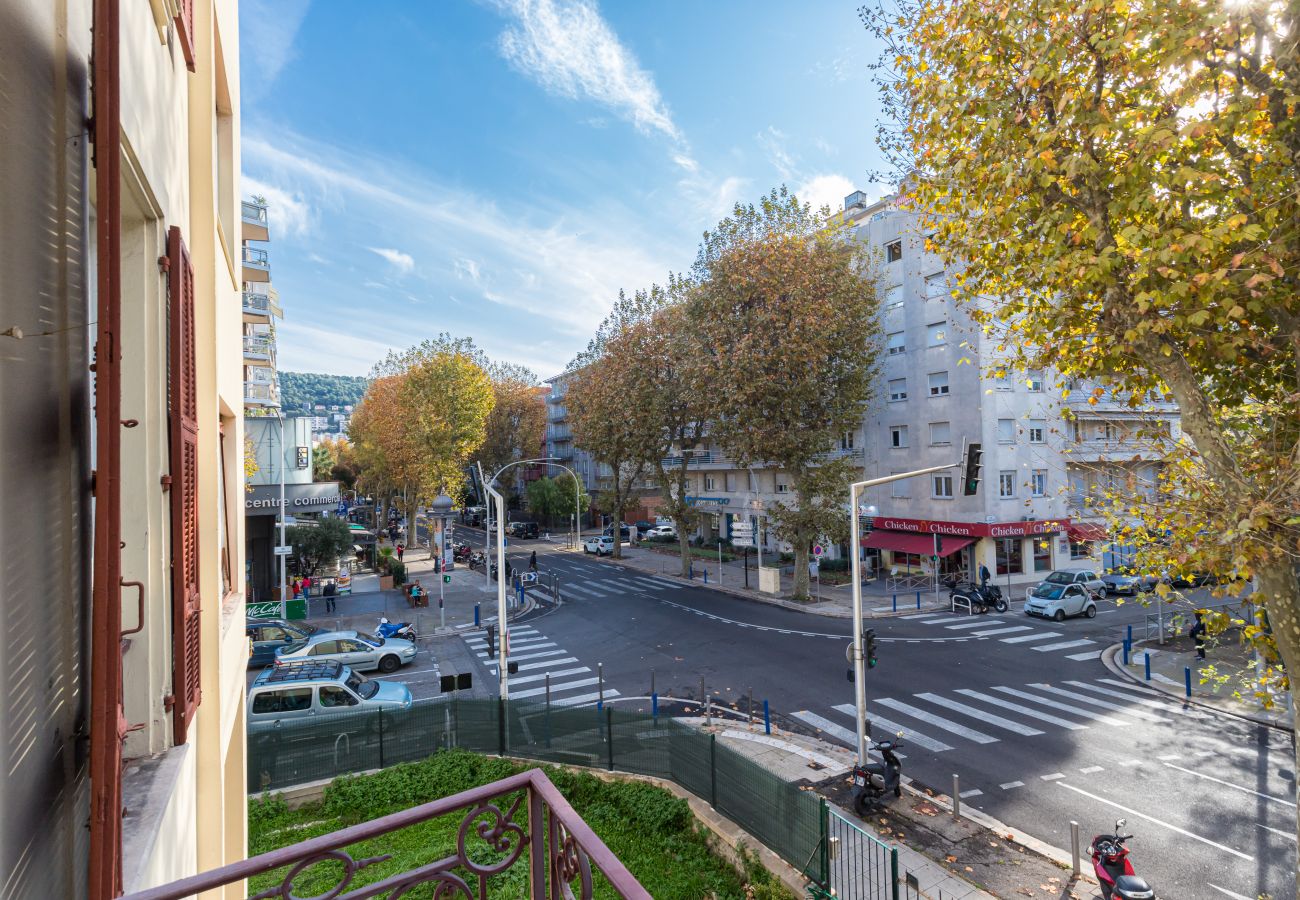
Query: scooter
[1114, 868]
[404, 630]
[981, 599]
[874, 783]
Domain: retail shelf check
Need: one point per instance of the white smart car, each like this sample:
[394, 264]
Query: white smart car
[601, 546]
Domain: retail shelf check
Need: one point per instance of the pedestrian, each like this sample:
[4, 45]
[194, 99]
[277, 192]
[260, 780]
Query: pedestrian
[1197, 634]
[296, 584]
[532, 562]
[306, 586]
[401, 548]
[984, 575]
[329, 598]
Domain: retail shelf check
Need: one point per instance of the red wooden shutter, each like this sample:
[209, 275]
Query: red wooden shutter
[185, 30]
[183, 433]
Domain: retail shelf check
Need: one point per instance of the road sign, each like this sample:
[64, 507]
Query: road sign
[848, 652]
[283, 551]
[343, 508]
[446, 579]
[742, 534]
[818, 549]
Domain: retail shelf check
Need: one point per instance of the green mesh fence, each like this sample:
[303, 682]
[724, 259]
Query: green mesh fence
[320, 747]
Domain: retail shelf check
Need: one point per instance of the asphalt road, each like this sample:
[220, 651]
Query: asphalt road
[1038, 729]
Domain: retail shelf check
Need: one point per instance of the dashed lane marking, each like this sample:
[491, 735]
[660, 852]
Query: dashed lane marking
[1011, 784]
[800, 633]
[1088, 770]
[1229, 784]
[974, 792]
[1053, 776]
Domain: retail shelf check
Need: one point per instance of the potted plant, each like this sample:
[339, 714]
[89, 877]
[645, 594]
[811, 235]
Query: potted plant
[386, 562]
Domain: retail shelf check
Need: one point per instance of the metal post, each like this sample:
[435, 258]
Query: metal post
[1129, 636]
[823, 825]
[1074, 847]
[859, 668]
[1187, 681]
[767, 718]
[1160, 617]
[476, 615]
[956, 796]
[705, 569]
[609, 734]
[745, 550]
[893, 873]
[652, 680]
[1126, 645]
[719, 562]
[895, 603]
[654, 707]
[713, 771]
[284, 560]
[502, 671]
[1146, 656]
[750, 719]
[918, 599]
[701, 692]
[548, 709]
[600, 685]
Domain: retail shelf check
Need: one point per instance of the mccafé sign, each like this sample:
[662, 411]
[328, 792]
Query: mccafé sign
[970, 529]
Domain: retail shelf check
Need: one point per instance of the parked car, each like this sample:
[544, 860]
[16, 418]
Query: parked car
[1130, 584]
[1056, 601]
[297, 691]
[1084, 575]
[1193, 580]
[601, 546]
[624, 532]
[523, 529]
[662, 531]
[267, 635]
[643, 526]
[355, 649]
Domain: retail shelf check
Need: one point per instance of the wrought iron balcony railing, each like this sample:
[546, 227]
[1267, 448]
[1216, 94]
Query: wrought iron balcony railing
[520, 820]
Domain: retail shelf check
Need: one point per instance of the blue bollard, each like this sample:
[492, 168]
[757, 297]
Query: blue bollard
[706, 576]
[767, 718]
[1187, 681]
[895, 603]
[1129, 638]
[1147, 658]
[476, 615]
[654, 704]
[918, 599]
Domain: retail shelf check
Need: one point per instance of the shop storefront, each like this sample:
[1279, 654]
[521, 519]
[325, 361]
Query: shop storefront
[261, 526]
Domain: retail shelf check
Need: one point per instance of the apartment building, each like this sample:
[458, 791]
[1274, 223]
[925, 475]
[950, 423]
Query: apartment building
[125, 652]
[260, 307]
[559, 437]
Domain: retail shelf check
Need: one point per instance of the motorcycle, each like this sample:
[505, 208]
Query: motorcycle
[404, 630]
[1114, 869]
[461, 552]
[981, 599]
[477, 559]
[875, 782]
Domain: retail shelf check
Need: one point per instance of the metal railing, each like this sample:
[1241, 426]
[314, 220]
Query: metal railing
[259, 345]
[257, 302]
[696, 459]
[253, 212]
[256, 258]
[858, 865]
[261, 392]
[522, 819]
[774, 811]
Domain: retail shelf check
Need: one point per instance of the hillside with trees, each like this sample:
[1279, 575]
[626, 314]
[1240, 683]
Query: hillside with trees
[299, 388]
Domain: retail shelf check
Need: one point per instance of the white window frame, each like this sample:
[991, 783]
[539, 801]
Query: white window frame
[893, 298]
[892, 348]
[782, 487]
[1034, 381]
[897, 437]
[1038, 483]
[1007, 484]
[1038, 431]
[1006, 431]
[846, 440]
[941, 388]
[894, 247]
[899, 395]
[946, 431]
[709, 483]
[936, 334]
[941, 487]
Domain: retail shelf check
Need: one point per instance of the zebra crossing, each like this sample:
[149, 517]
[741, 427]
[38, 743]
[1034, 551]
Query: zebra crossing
[941, 722]
[541, 661]
[613, 588]
[1007, 632]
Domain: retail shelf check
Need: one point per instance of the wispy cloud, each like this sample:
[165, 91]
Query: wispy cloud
[402, 261]
[289, 212]
[569, 49]
[467, 268]
[825, 190]
[774, 144]
[267, 32]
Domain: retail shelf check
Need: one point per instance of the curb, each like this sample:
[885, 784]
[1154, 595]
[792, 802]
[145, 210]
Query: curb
[1108, 660]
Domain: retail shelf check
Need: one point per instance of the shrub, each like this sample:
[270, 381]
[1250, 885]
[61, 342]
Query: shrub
[398, 571]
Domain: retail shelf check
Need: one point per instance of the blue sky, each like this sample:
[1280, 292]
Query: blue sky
[499, 170]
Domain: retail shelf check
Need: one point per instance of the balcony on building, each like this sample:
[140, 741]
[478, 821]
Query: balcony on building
[256, 264]
[259, 350]
[261, 302]
[255, 224]
[520, 822]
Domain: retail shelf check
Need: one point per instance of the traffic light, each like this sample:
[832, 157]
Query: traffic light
[869, 651]
[971, 472]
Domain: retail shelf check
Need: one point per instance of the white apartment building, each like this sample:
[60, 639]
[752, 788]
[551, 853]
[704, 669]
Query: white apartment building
[936, 391]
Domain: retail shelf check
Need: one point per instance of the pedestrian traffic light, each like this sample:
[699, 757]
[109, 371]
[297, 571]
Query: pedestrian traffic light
[971, 472]
[870, 649]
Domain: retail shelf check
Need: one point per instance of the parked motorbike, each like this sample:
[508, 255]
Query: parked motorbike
[981, 599]
[461, 552]
[404, 630]
[1114, 869]
[875, 783]
[477, 559]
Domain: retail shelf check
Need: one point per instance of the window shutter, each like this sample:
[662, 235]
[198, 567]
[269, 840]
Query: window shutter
[185, 30]
[183, 434]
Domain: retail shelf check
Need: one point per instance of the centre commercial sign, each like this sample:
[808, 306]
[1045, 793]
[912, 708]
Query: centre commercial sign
[315, 497]
[970, 529]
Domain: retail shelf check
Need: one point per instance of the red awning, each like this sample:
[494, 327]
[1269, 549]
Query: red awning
[910, 542]
[1086, 531]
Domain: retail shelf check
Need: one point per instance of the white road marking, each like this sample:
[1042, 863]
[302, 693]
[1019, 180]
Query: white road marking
[994, 631]
[920, 740]
[524, 667]
[518, 657]
[979, 623]
[1074, 695]
[1096, 654]
[584, 699]
[1064, 645]
[1227, 893]
[976, 792]
[920, 616]
[819, 758]
[1088, 770]
[1289, 835]
[515, 642]
[1152, 819]
[515, 679]
[1053, 776]
[1145, 701]
[1065, 707]
[970, 734]
[1011, 784]
[555, 688]
[1023, 710]
[826, 725]
[1235, 787]
[1038, 636]
[1129, 763]
[587, 591]
[981, 715]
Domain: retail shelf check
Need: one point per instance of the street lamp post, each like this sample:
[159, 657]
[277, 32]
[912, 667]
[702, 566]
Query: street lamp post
[439, 509]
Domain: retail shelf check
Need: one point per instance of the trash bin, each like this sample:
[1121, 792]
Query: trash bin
[296, 608]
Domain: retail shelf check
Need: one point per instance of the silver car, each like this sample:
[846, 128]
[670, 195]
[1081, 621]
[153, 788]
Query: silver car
[355, 649]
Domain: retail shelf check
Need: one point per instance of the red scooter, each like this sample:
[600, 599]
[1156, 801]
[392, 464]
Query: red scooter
[1115, 870]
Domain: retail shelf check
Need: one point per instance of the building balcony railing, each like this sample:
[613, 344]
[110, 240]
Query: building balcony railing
[256, 264]
[259, 346]
[261, 393]
[709, 458]
[842, 453]
[256, 227]
[522, 820]
[259, 303]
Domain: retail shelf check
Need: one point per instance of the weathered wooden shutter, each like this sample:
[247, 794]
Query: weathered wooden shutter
[185, 30]
[183, 427]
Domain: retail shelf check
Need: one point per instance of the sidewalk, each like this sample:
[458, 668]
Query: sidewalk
[1225, 659]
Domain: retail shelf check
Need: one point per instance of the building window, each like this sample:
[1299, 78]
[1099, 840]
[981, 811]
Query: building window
[894, 298]
[893, 251]
[1039, 482]
[943, 486]
[1036, 429]
[936, 334]
[894, 343]
[898, 436]
[938, 384]
[1002, 381]
[1080, 549]
[1006, 483]
[782, 487]
[730, 482]
[936, 286]
[1010, 558]
[1042, 554]
[939, 433]
[1006, 431]
[897, 389]
[708, 482]
[846, 441]
[1106, 431]
[1078, 432]
[899, 489]
[1035, 381]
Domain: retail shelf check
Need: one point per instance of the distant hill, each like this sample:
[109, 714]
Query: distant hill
[300, 388]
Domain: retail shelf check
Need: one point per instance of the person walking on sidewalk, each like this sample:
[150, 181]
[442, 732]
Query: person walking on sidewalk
[1197, 634]
[984, 576]
[532, 562]
[329, 598]
[401, 548]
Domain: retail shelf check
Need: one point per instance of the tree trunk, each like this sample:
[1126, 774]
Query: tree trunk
[800, 567]
[617, 529]
[683, 546]
[1279, 590]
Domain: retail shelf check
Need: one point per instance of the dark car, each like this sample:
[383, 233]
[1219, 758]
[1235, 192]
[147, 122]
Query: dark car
[523, 529]
[644, 526]
[267, 635]
[624, 532]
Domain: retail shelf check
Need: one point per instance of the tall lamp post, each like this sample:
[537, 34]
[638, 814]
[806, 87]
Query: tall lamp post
[439, 510]
[487, 531]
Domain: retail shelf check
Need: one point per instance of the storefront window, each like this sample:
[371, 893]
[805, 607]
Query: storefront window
[1010, 559]
[1080, 549]
[1042, 554]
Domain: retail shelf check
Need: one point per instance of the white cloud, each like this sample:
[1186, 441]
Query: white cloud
[773, 143]
[825, 190]
[569, 49]
[289, 214]
[402, 261]
[467, 268]
[267, 31]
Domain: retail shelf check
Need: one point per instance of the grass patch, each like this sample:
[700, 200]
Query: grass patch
[652, 832]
